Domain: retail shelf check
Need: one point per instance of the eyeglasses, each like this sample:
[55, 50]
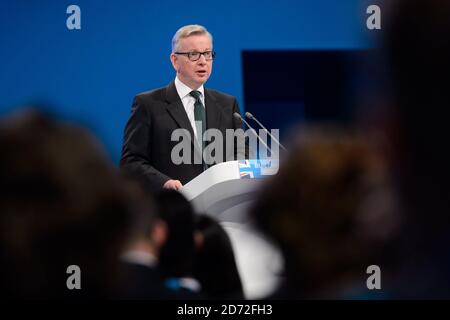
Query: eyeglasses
[194, 56]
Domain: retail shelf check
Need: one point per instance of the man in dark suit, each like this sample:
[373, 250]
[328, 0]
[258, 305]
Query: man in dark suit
[140, 274]
[184, 104]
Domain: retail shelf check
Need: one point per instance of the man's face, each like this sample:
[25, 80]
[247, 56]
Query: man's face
[193, 73]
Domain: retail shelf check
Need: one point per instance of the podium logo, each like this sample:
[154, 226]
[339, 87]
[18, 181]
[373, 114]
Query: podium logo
[216, 147]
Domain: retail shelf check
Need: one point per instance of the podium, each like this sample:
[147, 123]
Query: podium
[222, 191]
[226, 191]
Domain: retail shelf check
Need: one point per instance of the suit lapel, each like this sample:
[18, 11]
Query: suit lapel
[176, 110]
[213, 111]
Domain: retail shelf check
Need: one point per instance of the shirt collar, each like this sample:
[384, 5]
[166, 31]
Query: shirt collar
[139, 257]
[183, 90]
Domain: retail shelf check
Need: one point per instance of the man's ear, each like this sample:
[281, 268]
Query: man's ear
[174, 60]
[199, 240]
[159, 233]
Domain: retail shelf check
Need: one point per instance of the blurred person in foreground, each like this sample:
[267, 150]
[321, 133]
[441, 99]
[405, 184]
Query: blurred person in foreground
[417, 47]
[178, 252]
[62, 203]
[141, 277]
[331, 211]
[215, 264]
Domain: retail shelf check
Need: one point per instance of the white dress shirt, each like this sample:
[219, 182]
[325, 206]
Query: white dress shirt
[189, 101]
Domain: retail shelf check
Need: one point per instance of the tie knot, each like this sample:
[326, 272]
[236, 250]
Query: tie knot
[196, 94]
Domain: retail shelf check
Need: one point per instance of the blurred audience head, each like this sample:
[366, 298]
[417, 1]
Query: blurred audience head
[177, 254]
[62, 203]
[330, 210]
[148, 232]
[417, 46]
[215, 264]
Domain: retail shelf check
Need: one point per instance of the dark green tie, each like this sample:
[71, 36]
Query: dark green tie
[200, 118]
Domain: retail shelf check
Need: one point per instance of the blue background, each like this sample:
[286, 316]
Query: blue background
[92, 74]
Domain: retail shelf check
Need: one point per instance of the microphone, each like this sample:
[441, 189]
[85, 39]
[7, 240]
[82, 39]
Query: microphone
[238, 117]
[251, 117]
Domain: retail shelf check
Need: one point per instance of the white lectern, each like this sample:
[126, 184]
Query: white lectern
[221, 192]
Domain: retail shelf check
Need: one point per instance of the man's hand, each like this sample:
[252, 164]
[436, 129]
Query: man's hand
[173, 184]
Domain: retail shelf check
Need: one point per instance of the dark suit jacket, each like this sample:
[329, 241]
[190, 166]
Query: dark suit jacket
[142, 282]
[147, 147]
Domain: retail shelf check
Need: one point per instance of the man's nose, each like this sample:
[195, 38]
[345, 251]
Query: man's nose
[202, 59]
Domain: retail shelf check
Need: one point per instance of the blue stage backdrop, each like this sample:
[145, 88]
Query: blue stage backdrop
[91, 75]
